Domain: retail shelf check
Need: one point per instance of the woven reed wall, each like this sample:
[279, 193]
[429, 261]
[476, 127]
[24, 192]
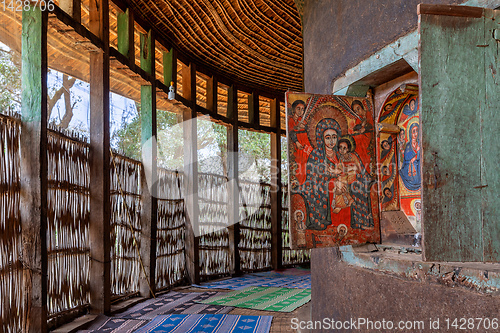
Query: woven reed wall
[125, 225]
[255, 226]
[215, 258]
[171, 229]
[67, 223]
[11, 272]
[290, 256]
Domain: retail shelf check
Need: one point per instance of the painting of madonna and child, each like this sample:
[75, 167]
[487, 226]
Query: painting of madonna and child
[331, 154]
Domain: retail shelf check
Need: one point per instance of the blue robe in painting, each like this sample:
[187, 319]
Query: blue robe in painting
[410, 172]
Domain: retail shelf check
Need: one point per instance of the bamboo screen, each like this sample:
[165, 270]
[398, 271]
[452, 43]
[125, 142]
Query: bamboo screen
[255, 226]
[11, 272]
[67, 223]
[215, 258]
[125, 225]
[171, 229]
[289, 256]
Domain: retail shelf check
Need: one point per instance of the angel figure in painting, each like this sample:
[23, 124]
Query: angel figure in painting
[411, 108]
[322, 169]
[366, 119]
[410, 170]
[298, 136]
[299, 220]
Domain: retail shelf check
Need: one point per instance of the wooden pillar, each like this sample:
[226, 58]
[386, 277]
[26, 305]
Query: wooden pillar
[125, 29]
[191, 175]
[170, 68]
[100, 215]
[276, 229]
[253, 108]
[233, 185]
[73, 8]
[212, 94]
[149, 202]
[33, 173]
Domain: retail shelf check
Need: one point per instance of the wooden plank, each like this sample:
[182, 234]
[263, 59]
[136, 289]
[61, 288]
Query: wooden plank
[33, 173]
[79, 28]
[170, 68]
[76, 325]
[212, 94]
[258, 128]
[253, 108]
[125, 30]
[147, 52]
[149, 212]
[73, 8]
[452, 93]
[450, 10]
[99, 21]
[191, 175]
[233, 186]
[388, 128]
[490, 178]
[100, 214]
[276, 191]
[189, 84]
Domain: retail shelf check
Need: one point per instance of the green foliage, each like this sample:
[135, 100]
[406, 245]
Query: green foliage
[10, 81]
[127, 138]
[255, 146]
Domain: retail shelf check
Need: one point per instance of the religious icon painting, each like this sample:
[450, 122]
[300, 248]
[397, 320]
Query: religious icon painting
[399, 154]
[333, 179]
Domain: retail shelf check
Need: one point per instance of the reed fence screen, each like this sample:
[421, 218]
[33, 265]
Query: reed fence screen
[214, 252]
[68, 226]
[289, 256]
[255, 226]
[126, 202]
[68, 217]
[171, 230]
[11, 267]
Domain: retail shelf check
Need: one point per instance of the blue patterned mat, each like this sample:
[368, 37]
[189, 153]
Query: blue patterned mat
[272, 279]
[208, 324]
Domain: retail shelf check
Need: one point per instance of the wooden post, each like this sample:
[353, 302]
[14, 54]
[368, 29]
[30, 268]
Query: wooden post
[233, 185]
[276, 229]
[73, 8]
[100, 215]
[212, 94]
[125, 29]
[170, 68]
[191, 175]
[33, 173]
[491, 148]
[149, 201]
[253, 108]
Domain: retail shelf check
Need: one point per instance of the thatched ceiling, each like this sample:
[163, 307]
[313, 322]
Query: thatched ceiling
[255, 42]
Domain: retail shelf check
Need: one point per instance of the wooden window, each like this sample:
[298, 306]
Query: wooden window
[460, 114]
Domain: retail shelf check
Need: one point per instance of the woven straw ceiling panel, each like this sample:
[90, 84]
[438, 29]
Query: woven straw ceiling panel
[254, 42]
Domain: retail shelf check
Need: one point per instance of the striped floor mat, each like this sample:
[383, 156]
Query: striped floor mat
[113, 325]
[271, 279]
[175, 303]
[208, 324]
[263, 298]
